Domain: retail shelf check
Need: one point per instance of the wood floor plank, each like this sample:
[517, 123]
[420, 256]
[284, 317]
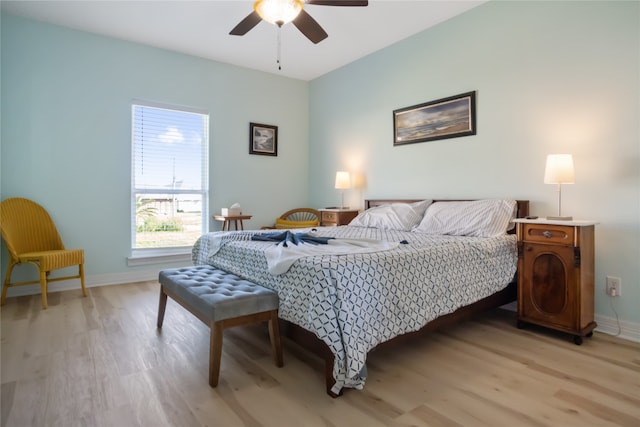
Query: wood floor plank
[29, 403]
[101, 361]
[545, 380]
[543, 358]
[7, 392]
[425, 416]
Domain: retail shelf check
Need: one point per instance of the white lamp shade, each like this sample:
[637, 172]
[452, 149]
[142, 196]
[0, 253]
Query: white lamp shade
[559, 169]
[343, 180]
[278, 12]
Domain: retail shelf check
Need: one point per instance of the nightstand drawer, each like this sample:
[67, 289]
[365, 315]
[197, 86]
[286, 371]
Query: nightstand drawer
[332, 217]
[549, 234]
[329, 216]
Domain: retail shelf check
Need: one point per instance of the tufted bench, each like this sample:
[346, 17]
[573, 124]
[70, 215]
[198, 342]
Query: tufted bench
[221, 300]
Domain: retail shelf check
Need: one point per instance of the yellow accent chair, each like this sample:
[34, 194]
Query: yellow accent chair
[32, 237]
[297, 218]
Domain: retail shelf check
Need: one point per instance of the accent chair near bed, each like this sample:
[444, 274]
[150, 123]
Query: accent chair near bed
[32, 238]
[297, 218]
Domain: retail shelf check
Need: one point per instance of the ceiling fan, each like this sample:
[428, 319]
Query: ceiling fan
[281, 12]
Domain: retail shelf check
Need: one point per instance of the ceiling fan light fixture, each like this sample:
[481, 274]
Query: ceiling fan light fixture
[278, 12]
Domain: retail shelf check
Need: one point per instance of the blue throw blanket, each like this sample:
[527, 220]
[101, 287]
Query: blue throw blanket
[285, 237]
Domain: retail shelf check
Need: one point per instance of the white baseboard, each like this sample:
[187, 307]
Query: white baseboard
[90, 282]
[623, 329]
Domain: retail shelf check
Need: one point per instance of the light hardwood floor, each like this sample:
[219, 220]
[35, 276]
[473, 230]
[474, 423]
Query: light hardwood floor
[100, 361]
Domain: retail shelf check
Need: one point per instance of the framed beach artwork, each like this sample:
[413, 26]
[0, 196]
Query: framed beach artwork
[440, 119]
[263, 139]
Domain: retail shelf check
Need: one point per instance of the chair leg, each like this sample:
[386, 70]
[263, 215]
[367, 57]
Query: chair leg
[81, 274]
[7, 282]
[274, 336]
[43, 288]
[4, 293]
[215, 353]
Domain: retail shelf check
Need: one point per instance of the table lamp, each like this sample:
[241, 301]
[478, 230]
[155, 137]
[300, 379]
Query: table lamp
[559, 170]
[343, 182]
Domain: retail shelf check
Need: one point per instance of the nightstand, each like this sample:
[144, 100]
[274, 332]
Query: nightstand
[331, 217]
[556, 275]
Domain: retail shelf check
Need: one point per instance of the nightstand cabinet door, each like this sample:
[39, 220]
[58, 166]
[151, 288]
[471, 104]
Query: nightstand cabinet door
[555, 277]
[547, 285]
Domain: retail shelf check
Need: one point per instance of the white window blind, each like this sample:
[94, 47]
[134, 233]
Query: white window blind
[169, 193]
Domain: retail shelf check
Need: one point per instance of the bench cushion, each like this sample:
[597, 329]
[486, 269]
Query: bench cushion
[216, 294]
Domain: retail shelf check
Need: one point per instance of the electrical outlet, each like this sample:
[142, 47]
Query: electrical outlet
[613, 286]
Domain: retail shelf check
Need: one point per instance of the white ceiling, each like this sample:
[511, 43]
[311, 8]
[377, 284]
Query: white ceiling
[201, 28]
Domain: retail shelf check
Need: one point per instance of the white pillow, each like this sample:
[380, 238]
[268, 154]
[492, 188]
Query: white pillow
[395, 216]
[479, 218]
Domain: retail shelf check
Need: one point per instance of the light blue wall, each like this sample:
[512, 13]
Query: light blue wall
[66, 133]
[550, 77]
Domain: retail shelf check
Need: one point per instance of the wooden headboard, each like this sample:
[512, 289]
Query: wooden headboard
[523, 205]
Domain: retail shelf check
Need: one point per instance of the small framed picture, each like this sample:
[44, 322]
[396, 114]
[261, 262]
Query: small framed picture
[450, 117]
[263, 139]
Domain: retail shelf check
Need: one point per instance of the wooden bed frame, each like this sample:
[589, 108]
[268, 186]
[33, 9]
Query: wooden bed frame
[311, 342]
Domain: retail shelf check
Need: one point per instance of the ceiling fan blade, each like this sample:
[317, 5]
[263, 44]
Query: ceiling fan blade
[337, 3]
[246, 24]
[309, 27]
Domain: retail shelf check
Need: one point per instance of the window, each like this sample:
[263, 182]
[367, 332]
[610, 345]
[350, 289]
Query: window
[169, 196]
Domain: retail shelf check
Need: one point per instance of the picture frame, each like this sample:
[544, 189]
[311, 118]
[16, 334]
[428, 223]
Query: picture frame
[450, 117]
[263, 139]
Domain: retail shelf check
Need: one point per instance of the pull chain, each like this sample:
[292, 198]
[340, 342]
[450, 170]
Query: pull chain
[279, 47]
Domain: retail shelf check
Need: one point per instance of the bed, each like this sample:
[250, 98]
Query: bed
[404, 280]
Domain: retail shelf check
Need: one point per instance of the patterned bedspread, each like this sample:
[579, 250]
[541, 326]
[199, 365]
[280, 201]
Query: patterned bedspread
[354, 302]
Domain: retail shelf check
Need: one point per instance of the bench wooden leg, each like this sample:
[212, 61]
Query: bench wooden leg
[215, 352]
[161, 307]
[274, 336]
[217, 330]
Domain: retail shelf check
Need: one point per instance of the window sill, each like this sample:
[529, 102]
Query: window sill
[158, 256]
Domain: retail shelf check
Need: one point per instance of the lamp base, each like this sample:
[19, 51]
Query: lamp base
[560, 218]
